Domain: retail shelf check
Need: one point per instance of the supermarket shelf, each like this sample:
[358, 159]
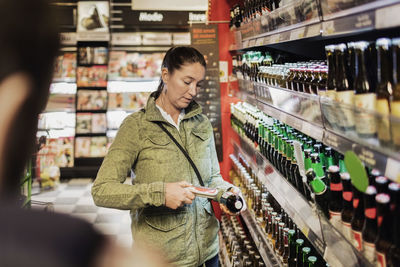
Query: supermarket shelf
[336, 250]
[270, 102]
[375, 15]
[303, 30]
[260, 240]
[296, 206]
[223, 253]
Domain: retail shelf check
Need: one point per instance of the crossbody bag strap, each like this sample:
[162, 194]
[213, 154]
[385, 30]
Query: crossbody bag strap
[184, 153]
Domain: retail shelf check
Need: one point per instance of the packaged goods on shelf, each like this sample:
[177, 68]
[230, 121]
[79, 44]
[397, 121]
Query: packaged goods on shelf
[134, 65]
[65, 67]
[92, 55]
[94, 76]
[91, 100]
[90, 147]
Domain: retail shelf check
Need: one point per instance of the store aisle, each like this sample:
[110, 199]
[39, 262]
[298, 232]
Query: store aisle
[74, 198]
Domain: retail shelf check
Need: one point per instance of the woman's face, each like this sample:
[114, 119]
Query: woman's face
[183, 84]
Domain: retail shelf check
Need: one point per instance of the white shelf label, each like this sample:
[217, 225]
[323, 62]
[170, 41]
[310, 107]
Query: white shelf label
[387, 17]
[252, 42]
[126, 39]
[297, 33]
[393, 170]
[68, 38]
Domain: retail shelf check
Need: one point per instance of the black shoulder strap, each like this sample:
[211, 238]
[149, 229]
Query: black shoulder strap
[184, 153]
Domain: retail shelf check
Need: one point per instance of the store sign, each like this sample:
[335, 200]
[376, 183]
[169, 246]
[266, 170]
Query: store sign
[170, 5]
[145, 16]
[197, 17]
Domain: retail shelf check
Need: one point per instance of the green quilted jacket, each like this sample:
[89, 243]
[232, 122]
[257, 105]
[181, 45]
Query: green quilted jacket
[188, 235]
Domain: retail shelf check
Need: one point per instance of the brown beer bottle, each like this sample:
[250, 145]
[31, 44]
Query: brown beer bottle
[384, 89]
[357, 222]
[385, 225]
[365, 98]
[344, 94]
[347, 212]
[395, 104]
[369, 232]
[330, 112]
[335, 198]
[394, 191]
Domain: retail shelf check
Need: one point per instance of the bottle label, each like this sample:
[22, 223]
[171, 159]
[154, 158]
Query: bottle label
[381, 259]
[346, 230]
[369, 251]
[365, 121]
[355, 202]
[346, 99]
[383, 125]
[370, 213]
[336, 219]
[347, 195]
[336, 187]
[330, 111]
[395, 105]
[357, 240]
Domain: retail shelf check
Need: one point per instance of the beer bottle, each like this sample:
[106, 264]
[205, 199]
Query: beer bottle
[312, 261]
[347, 212]
[385, 225]
[306, 252]
[329, 160]
[307, 158]
[330, 112]
[394, 190]
[382, 184]
[233, 202]
[322, 83]
[374, 173]
[357, 222]
[342, 166]
[344, 94]
[369, 232]
[318, 148]
[384, 89]
[299, 180]
[365, 98]
[317, 167]
[292, 248]
[320, 191]
[299, 252]
[351, 62]
[335, 198]
[395, 104]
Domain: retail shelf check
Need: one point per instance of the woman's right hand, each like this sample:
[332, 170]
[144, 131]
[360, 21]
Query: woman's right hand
[177, 194]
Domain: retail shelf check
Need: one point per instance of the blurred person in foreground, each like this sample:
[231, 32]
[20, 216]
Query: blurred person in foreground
[29, 43]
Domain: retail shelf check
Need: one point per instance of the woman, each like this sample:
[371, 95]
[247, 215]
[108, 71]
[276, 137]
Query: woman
[164, 211]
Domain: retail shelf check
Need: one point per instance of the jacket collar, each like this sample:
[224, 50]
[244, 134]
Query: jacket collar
[153, 114]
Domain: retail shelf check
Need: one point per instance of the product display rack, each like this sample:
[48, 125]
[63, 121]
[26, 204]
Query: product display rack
[376, 15]
[331, 26]
[386, 161]
[336, 250]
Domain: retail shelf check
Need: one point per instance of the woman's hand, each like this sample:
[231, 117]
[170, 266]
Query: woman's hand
[177, 194]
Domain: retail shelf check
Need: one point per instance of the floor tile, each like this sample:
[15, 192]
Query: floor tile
[85, 201]
[64, 208]
[66, 200]
[108, 218]
[71, 193]
[85, 209]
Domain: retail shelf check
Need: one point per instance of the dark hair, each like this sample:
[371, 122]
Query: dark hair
[175, 58]
[29, 42]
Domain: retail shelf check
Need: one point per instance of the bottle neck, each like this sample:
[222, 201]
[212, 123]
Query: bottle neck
[331, 85]
[361, 83]
[342, 84]
[384, 89]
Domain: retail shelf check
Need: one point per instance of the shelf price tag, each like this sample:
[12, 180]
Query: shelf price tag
[393, 170]
[260, 41]
[267, 40]
[252, 42]
[246, 44]
[297, 33]
[275, 38]
[328, 28]
[387, 17]
[68, 38]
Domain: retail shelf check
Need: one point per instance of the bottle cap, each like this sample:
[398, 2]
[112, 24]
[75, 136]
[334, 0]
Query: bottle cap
[306, 250]
[299, 242]
[394, 186]
[381, 180]
[382, 198]
[345, 176]
[383, 42]
[333, 169]
[340, 47]
[371, 190]
[312, 259]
